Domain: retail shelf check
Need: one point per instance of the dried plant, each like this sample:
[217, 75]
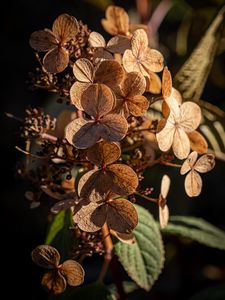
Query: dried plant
[91, 159]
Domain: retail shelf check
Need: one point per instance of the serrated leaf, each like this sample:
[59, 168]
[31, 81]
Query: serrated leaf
[59, 233]
[191, 78]
[143, 261]
[196, 229]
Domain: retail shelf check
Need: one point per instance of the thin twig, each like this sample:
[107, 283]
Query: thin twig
[107, 241]
[31, 154]
[166, 163]
[155, 200]
[9, 115]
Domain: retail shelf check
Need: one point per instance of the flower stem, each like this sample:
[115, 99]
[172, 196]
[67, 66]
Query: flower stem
[107, 241]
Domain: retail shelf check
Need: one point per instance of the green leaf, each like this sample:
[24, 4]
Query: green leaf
[196, 229]
[92, 291]
[191, 78]
[143, 261]
[59, 234]
[213, 293]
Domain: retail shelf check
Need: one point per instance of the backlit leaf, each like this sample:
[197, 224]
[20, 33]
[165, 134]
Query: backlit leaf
[143, 261]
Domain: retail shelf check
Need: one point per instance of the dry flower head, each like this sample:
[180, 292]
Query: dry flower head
[59, 275]
[192, 166]
[54, 42]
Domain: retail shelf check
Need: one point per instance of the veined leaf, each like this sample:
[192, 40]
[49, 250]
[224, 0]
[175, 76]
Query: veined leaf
[59, 233]
[196, 229]
[191, 78]
[143, 261]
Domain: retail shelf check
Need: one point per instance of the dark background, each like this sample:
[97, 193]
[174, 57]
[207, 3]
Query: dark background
[23, 229]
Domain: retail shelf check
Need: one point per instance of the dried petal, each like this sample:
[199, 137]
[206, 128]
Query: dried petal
[76, 92]
[193, 184]
[43, 40]
[109, 72]
[65, 28]
[190, 116]
[104, 153]
[165, 136]
[82, 134]
[56, 60]
[181, 144]
[133, 84]
[46, 256]
[118, 44]
[122, 216]
[198, 142]
[134, 27]
[96, 40]
[166, 83]
[152, 60]
[153, 83]
[163, 216]
[205, 163]
[94, 185]
[139, 43]
[137, 105]
[83, 70]
[73, 272]
[189, 163]
[54, 282]
[117, 20]
[101, 54]
[97, 100]
[130, 63]
[90, 217]
[125, 180]
[165, 185]
[114, 127]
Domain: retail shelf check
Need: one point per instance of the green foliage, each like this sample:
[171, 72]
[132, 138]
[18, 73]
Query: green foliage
[196, 229]
[59, 234]
[191, 78]
[143, 260]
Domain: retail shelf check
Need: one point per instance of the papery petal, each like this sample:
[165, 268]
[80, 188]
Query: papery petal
[83, 70]
[76, 92]
[193, 184]
[165, 137]
[205, 163]
[114, 127]
[73, 272]
[181, 144]
[65, 28]
[54, 282]
[56, 60]
[189, 163]
[46, 256]
[43, 40]
[190, 116]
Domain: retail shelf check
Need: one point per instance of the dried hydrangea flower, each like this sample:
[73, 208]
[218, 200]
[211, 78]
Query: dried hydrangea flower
[117, 44]
[129, 95]
[197, 141]
[182, 119]
[117, 22]
[54, 42]
[119, 214]
[141, 58]
[97, 101]
[163, 208]
[108, 72]
[193, 181]
[118, 178]
[56, 279]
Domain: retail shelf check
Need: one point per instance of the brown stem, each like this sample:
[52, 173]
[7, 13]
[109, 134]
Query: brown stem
[107, 241]
[155, 200]
[166, 163]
